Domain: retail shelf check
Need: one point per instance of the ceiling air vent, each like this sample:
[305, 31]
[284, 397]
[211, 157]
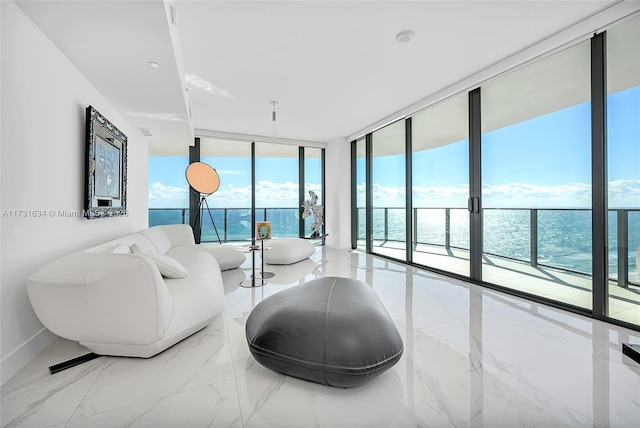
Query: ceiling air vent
[145, 132]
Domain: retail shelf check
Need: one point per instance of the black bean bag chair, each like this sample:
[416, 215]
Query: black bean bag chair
[333, 331]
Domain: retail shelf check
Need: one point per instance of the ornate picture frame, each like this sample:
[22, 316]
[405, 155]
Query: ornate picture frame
[105, 168]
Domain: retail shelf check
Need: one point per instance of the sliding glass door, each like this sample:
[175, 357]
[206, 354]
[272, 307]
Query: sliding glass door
[360, 175]
[231, 204]
[529, 182]
[623, 169]
[440, 179]
[168, 189]
[258, 181]
[389, 191]
[277, 183]
[536, 178]
[313, 178]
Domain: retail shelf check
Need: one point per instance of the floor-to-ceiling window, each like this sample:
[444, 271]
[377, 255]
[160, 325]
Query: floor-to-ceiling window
[440, 179]
[277, 183]
[263, 176]
[361, 193]
[168, 187]
[389, 190]
[536, 178]
[230, 205]
[623, 169]
[525, 156]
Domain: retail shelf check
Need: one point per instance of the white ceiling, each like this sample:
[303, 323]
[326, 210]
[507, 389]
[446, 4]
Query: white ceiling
[333, 66]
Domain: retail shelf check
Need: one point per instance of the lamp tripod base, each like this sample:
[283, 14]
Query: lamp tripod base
[203, 202]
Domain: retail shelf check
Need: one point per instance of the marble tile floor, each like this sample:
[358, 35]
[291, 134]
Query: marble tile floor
[473, 357]
[557, 284]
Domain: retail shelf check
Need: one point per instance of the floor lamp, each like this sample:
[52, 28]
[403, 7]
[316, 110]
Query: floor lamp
[205, 180]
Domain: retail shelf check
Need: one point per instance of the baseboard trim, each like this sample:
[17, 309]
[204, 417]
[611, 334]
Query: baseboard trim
[12, 363]
[336, 244]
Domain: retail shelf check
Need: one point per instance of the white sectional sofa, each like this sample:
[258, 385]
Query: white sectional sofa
[113, 298]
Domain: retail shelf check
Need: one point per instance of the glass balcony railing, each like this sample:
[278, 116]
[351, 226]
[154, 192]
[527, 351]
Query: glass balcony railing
[232, 224]
[555, 238]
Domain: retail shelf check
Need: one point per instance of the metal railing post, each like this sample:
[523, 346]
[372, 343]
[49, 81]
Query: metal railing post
[447, 228]
[386, 224]
[415, 228]
[226, 224]
[533, 236]
[623, 248]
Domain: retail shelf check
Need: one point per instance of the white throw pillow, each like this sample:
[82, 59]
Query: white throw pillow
[168, 266]
[122, 249]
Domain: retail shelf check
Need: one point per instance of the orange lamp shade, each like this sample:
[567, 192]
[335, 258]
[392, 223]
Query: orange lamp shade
[202, 178]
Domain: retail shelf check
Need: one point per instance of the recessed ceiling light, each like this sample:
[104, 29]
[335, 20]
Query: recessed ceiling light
[405, 36]
[153, 64]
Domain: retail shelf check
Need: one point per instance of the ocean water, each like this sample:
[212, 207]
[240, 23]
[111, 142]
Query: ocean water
[234, 224]
[564, 236]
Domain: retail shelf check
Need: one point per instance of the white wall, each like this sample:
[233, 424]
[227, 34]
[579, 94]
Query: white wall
[42, 157]
[338, 194]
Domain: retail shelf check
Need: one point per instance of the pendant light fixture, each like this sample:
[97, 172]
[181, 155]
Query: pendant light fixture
[273, 121]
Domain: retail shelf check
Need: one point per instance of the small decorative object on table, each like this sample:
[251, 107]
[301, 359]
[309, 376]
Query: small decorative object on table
[263, 232]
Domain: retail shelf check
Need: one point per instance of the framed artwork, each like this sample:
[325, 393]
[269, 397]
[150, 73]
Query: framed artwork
[263, 230]
[105, 168]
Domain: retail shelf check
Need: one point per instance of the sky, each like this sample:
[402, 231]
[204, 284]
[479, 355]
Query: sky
[543, 162]
[276, 182]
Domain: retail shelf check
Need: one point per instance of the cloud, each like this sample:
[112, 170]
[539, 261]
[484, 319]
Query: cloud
[440, 196]
[230, 196]
[270, 194]
[316, 188]
[163, 196]
[625, 187]
[525, 195]
[622, 193]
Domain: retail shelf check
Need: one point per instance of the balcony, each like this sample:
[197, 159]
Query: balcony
[546, 252]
